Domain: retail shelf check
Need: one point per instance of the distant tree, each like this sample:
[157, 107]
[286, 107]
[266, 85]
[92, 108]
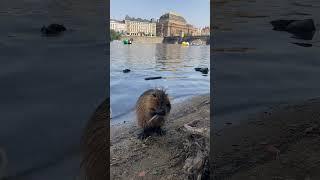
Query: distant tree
[114, 35]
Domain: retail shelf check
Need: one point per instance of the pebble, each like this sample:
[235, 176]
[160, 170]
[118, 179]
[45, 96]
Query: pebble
[126, 70]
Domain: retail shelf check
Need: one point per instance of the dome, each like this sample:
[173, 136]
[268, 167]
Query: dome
[172, 16]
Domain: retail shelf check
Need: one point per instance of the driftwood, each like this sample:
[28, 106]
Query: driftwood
[196, 165]
[152, 78]
[189, 127]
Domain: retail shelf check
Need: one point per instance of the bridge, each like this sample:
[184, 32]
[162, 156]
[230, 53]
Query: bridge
[190, 39]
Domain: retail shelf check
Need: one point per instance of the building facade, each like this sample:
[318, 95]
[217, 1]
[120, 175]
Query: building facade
[118, 26]
[172, 24]
[205, 31]
[140, 27]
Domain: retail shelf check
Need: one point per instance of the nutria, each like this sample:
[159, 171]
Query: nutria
[95, 144]
[152, 109]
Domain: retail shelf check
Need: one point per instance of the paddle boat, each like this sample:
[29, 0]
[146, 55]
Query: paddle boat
[185, 43]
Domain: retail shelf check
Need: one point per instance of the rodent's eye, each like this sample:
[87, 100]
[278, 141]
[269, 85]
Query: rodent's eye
[154, 95]
[152, 109]
[168, 105]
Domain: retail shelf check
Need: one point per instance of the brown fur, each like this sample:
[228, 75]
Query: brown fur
[96, 144]
[147, 103]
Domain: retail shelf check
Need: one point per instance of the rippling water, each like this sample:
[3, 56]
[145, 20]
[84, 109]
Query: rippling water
[274, 70]
[173, 62]
[49, 86]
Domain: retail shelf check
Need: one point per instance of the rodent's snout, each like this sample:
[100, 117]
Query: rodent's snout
[161, 112]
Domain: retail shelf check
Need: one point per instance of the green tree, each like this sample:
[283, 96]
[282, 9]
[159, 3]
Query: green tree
[114, 35]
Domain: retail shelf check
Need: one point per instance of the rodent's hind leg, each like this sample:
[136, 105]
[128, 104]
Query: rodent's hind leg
[160, 132]
[145, 133]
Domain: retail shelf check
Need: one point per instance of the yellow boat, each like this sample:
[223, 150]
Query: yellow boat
[185, 43]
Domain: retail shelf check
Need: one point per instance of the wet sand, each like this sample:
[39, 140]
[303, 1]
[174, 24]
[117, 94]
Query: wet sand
[163, 157]
[264, 123]
[282, 142]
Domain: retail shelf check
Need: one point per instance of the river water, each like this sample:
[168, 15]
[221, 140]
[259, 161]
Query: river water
[274, 70]
[50, 86]
[175, 63]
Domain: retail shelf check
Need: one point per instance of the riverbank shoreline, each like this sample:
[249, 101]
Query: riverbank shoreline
[279, 143]
[193, 40]
[143, 39]
[170, 156]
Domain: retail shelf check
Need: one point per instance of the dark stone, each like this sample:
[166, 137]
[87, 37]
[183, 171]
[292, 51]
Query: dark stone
[301, 26]
[281, 25]
[303, 44]
[204, 70]
[152, 78]
[304, 36]
[53, 29]
[301, 29]
[197, 69]
[126, 70]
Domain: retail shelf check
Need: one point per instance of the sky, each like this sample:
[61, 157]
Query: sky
[196, 12]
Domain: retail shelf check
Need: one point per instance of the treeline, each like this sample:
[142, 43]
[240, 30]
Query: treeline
[114, 35]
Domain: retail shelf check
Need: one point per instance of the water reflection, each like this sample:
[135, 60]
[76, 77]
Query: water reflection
[283, 67]
[174, 63]
[168, 57]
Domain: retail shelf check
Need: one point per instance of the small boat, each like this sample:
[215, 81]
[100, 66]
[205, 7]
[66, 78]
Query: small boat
[185, 43]
[126, 41]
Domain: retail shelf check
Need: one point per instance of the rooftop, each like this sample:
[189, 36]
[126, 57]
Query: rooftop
[138, 19]
[173, 16]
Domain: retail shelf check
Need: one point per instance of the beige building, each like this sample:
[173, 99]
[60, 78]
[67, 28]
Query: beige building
[118, 26]
[140, 27]
[172, 24]
[205, 31]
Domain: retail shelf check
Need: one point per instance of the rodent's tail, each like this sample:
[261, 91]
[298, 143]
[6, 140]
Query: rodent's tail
[95, 144]
[3, 164]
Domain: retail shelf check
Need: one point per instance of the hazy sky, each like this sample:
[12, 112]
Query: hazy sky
[196, 12]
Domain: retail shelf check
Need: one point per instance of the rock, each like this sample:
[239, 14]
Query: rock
[197, 69]
[304, 36]
[302, 29]
[53, 29]
[281, 25]
[294, 26]
[303, 44]
[126, 70]
[203, 70]
[152, 78]
[142, 174]
[301, 26]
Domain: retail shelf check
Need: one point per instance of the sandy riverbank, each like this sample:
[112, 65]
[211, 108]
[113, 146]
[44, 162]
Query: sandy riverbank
[172, 156]
[280, 143]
